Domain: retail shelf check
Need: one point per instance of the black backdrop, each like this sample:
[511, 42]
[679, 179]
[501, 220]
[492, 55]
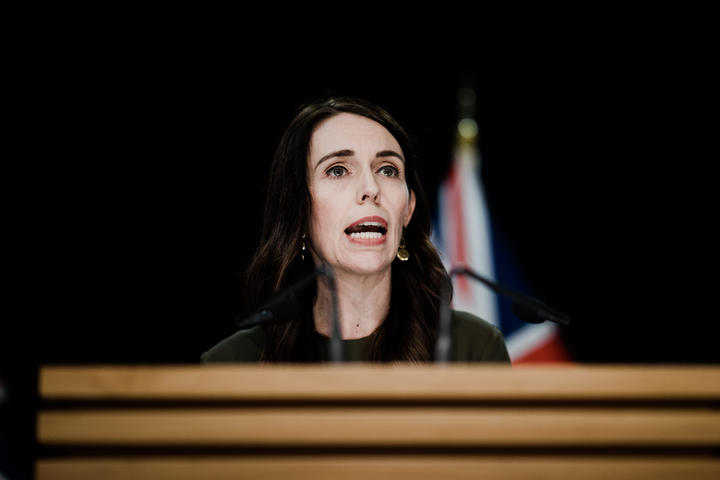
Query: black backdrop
[142, 181]
[144, 188]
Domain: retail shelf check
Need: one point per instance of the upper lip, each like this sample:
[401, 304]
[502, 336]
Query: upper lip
[373, 219]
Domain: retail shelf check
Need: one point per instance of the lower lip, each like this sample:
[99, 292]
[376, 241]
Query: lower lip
[366, 241]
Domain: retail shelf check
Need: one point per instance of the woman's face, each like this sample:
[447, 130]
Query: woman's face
[360, 199]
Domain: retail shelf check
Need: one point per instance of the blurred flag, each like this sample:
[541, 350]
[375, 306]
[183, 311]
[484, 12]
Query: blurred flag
[463, 234]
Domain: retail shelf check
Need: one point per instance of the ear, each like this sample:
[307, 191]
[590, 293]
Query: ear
[411, 209]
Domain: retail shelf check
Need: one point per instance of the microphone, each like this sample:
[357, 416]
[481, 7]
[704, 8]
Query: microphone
[527, 309]
[283, 308]
[532, 310]
[335, 348]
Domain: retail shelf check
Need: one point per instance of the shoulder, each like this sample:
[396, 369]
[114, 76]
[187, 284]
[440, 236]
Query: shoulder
[476, 340]
[241, 346]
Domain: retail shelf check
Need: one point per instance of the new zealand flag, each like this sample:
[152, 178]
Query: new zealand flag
[463, 234]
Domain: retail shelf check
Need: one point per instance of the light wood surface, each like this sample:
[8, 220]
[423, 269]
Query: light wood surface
[382, 426]
[381, 467]
[368, 382]
[379, 421]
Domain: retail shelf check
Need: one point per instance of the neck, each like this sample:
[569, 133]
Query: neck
[363, 303]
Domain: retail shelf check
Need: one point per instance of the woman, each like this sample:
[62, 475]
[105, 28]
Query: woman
[344, 190]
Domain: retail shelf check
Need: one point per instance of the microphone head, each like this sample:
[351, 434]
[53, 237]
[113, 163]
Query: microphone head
[530, 313]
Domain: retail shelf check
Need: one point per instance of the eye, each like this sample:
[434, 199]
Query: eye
[389, 171]
[336, 171]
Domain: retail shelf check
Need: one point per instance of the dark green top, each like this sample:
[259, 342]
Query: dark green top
[473, 340]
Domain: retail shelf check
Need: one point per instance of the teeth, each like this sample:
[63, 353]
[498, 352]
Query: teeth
[371, 224]
[366, 235]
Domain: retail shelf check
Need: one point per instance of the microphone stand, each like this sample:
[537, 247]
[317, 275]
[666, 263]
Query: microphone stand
[335, 351]
[525, 308]
[284, 302]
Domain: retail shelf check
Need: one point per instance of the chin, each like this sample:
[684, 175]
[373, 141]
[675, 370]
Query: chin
[367, 265]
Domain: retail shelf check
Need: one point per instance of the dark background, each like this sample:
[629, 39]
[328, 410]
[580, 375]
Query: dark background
[143, 202]
[142, 182]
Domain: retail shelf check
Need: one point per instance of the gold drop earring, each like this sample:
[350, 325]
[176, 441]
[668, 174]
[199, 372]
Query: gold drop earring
[402, 253]
[303, 248]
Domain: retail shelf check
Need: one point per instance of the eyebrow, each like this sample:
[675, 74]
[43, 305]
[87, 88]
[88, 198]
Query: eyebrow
[389, 153]
[350, 153]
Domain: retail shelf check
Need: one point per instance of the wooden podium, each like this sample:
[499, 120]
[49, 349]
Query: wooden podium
[365, 421]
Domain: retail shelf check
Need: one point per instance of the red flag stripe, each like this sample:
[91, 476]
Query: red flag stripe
[456, 206]
[551, 351]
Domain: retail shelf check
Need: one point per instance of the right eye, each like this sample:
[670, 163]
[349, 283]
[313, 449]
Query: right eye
[336, 171]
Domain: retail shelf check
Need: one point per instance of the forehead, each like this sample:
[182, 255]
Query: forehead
[350, 131]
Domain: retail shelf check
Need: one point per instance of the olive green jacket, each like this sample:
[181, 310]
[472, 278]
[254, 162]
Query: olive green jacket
[473, 340]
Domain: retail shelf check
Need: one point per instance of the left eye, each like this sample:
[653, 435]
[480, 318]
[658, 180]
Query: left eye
[389, 171]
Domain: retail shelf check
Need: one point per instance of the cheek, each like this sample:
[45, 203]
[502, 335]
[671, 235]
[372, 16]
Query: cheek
[401, 206]
[323, 217]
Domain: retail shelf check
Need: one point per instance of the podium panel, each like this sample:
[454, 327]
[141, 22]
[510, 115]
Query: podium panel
[379, 421]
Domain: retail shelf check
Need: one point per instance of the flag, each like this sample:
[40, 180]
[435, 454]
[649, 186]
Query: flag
[463, 233]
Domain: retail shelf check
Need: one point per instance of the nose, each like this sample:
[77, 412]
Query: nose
[368, 189]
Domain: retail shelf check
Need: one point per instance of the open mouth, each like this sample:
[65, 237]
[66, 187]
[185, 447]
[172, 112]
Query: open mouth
[373, 228]
[366, 230]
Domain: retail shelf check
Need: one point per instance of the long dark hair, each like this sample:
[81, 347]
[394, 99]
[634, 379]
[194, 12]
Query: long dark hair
[409, 331]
